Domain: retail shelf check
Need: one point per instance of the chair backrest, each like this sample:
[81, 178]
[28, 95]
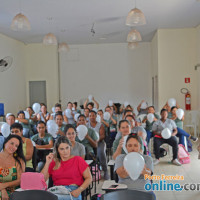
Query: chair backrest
[34, 159]
[194, 116]
[33, 195]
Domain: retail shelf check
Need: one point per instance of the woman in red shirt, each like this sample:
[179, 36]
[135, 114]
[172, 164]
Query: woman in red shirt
[68, 170]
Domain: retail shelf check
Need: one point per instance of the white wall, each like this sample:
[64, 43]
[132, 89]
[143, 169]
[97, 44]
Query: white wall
[12, 81]
[42, 65]
[177, 57]
[198, 62]
[107, 71]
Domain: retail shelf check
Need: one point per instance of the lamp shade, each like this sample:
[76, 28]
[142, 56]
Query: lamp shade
[50, 39]
[20, 23]
[63, 47]
[132, 45]
[135, 17]
[134, 36]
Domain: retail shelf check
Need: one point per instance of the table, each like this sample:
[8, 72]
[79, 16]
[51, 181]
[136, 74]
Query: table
[128, 195]
[106, 186]
[111, 164]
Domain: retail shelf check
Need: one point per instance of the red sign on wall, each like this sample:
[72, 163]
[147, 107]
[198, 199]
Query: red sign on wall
[187, 80]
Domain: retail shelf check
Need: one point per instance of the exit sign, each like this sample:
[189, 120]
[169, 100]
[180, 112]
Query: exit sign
[187, 80]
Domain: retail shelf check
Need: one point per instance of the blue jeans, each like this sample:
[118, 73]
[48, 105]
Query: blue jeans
[149, 136]
[181, 134]
[66, 196]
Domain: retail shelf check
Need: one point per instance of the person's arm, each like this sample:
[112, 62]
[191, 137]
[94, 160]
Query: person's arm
[34, 118]
[47, 116]
[138, 108]
[105, 123]
[87, 180]
[174, 132]
[92, 142]
[45, 169]
[20, 170]
[119, 148]
[46, 146]
[121, 172]
[113, 120]
[85, 103]
[101, 133]
[96, 103]
[38, 117]
[29, 150]
[4, 194]
[25, 121]
[65, 119]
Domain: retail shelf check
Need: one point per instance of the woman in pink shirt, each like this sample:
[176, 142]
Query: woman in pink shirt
[68, 170]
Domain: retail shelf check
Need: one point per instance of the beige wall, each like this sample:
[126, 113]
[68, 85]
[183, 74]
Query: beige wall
[198, 62]
[42, 64]
[177, 57]
[107, 71]
[12, 81]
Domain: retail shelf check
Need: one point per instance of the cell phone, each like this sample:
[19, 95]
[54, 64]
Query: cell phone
[113, 186]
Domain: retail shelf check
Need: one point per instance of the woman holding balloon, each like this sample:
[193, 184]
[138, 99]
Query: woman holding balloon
[77, 149]
[165, 131]
[178, 117]
[132, 167]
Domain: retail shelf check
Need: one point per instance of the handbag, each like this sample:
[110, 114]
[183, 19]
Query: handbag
[33, 181]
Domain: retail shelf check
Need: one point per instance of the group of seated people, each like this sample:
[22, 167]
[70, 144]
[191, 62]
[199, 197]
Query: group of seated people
[66, 164]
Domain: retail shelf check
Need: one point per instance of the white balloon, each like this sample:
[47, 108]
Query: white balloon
[52, 128]
[180, 113]
[150, 117]
[124, 144]
[172, 102]
[81, 131]
[36, 107]
[110, 102]
[95, 109]
[144, 105]
[97, 134]
[73, 108]
[126, 103]
[98, 118]
[106, 116]
[68, 113]
[134, 164]
[90, 97]
[76, 116]
[53, 109]
[5, 130]
[166, 133]
[27, 116]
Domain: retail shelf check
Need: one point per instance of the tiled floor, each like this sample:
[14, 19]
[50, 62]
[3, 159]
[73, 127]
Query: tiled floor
[191, 173]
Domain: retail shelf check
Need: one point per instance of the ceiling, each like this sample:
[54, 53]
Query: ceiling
[72, 20]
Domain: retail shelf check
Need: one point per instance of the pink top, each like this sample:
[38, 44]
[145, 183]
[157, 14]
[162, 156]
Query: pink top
[70, 171]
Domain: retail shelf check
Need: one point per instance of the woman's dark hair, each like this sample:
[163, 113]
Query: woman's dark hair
[67, 127]
[163, 110]
[172, 108]
[59, 113]
[17, 126]
[30, 108]
[122, 121]
[69, 103]
[138, 138]
[130, 116]
[61, 139]
[92, 111]
[100, 110]
[58, 105]
[75, 103]
[151, 107]
[20, 112]
[126, 111]
[81, 115]
[42, 104]
[41, 122]
[19, 152]
[90, 103]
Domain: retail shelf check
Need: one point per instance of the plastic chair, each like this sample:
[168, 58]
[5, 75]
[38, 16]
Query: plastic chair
[193, 117]
[33, 195]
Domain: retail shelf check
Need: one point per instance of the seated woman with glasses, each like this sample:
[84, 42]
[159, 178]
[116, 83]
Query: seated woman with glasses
[67, 170]
[77, 148]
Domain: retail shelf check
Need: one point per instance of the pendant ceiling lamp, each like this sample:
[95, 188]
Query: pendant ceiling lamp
[132, 45]
[50, 39]
[63, 47]
[20, 23]
[134, 36]
[135, 18]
